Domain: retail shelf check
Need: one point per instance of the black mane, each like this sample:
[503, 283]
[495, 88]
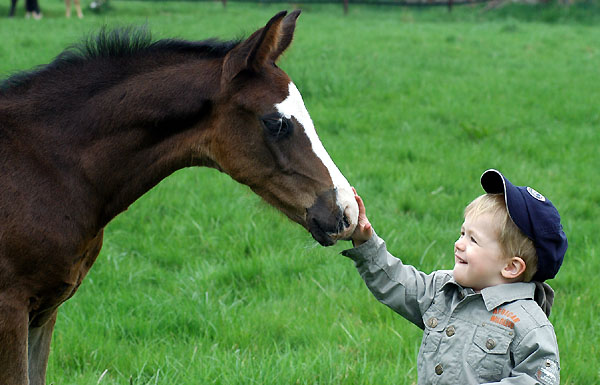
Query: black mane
[118, 44]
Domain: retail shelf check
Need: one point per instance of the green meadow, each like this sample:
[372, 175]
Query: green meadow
[200, 282]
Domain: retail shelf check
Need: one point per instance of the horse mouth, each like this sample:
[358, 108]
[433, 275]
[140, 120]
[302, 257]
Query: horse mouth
[329, 235]
[329, 220]
[323, 237]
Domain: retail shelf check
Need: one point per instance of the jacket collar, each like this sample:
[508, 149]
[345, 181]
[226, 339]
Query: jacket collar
[495, 296]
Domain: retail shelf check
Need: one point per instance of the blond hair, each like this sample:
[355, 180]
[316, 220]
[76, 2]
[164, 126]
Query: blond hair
[512, 240]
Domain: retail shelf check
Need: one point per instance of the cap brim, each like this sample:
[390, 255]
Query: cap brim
[493, 182]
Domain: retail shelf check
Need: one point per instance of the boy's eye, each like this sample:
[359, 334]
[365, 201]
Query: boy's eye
[473, 240]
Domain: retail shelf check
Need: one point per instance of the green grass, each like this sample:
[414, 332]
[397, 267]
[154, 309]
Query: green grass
[200, 282]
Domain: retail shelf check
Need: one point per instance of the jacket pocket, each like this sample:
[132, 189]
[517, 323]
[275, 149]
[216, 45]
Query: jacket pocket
[489, 353]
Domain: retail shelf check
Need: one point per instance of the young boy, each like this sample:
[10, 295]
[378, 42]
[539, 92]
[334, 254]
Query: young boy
[486, 320]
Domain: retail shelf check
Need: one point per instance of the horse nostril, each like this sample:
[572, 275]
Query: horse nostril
[342, 224]
[346, 221]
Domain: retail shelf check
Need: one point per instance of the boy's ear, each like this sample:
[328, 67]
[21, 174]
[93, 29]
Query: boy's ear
[514, 268]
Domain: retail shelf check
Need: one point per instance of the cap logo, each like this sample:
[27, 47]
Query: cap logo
[536, 194]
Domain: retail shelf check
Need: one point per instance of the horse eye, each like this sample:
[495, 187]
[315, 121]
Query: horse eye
[277, 127]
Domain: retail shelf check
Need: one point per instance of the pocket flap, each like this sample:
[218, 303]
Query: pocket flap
[492, 341]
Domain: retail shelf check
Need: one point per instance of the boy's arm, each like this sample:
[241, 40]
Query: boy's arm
[403, 288]
[536, 359]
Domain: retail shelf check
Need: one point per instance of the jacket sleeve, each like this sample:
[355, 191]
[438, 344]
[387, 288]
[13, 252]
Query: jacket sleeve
[536, 359]
[403, 288]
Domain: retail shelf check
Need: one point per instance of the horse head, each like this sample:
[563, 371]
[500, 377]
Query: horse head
[260, 113]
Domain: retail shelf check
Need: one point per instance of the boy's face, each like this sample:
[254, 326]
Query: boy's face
[477, 254]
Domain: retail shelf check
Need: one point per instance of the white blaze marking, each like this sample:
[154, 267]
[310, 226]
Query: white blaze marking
[293, 105]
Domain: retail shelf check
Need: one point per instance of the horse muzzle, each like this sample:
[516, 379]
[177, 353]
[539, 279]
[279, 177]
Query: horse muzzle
[332, 217]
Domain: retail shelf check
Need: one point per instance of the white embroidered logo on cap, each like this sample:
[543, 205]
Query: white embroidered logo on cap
[536, 194]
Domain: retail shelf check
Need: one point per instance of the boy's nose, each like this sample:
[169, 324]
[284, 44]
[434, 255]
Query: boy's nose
[458, 245]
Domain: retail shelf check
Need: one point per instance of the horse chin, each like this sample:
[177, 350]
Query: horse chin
[327, 239]
[321, 236]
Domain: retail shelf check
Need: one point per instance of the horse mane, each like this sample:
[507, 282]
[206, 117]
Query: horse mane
[114, 44]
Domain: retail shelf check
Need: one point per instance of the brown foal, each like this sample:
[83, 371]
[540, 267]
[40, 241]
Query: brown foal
[75, 151]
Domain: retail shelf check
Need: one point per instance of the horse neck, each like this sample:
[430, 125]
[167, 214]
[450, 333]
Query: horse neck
[123, 168]
[125, 139]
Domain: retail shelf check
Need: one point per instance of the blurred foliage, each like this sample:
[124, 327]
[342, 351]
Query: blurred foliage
[585, 11]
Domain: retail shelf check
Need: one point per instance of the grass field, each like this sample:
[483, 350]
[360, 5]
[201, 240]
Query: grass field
[199, 282]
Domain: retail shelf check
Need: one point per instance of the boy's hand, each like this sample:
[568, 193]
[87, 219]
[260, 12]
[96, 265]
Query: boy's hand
[363, 230]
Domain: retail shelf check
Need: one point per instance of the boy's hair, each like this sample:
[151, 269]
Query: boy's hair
[512, 240]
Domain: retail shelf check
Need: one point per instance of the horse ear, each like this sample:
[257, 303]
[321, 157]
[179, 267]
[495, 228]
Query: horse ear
[255, 51]
[287, 34]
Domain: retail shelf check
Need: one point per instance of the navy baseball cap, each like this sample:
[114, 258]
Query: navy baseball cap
[536, 217]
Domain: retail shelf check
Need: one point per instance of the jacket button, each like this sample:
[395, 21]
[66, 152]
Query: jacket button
[450, 330]
[490, 344]
[432, 322]
[439, 369]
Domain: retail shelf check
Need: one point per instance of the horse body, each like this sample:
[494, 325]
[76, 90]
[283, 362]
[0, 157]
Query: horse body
[76, 152]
